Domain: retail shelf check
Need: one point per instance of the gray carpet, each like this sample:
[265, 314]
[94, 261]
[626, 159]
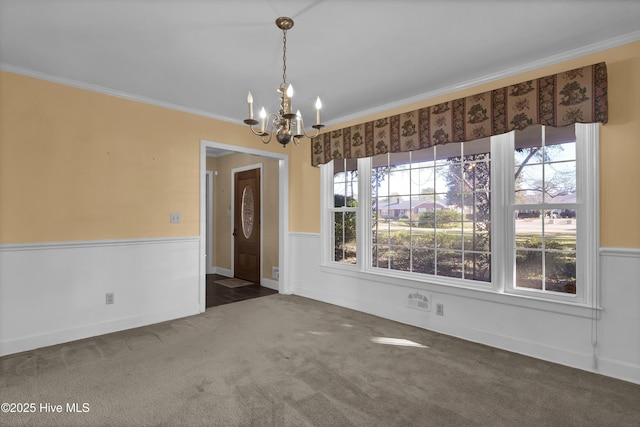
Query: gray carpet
[290, 361]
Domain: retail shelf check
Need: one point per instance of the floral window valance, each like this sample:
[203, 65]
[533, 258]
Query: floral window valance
[576, 96]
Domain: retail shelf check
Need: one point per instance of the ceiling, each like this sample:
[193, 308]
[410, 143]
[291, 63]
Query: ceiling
[359, 56]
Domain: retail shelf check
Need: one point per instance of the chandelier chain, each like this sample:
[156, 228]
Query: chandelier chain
[284, 59]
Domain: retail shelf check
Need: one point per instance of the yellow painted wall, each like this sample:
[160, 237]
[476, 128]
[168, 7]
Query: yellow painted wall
[80, 165]
[222, 200]
[619, 148]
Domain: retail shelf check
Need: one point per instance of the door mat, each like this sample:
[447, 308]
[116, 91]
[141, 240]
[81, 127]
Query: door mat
[233, 283]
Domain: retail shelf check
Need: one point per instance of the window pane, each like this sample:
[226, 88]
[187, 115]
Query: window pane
[450, 239]
[389, 206]
[424, 203]
[449, 178]
[352, 189]
[477, 236]
[560, 182]
[528, 229]
[423, 181]
[529, 269]
[560, 272]
[345, 237]
[449, 264]
[529, 184]
[399, 181]
[559, 152]
[379, 183]
[545, 169]
[560, 229]
[424, 261]
[380, 233]
[400, 258]
[476, 176]
[400, 237]
[345, 189]
[338, 237]
[423, 237]
[477, 206]
[380, 256]
[477, 266]
[345, 182]
[339, 189]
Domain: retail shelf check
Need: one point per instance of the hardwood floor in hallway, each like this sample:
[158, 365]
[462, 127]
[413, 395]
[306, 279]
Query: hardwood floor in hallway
[218, 294]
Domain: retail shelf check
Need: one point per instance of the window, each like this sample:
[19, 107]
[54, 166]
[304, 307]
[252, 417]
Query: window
[431, 211]
[514, 213]
[545, 210]
[344, 211]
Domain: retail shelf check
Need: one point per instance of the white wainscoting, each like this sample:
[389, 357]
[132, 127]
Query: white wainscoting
[525, 327]
[52, 293]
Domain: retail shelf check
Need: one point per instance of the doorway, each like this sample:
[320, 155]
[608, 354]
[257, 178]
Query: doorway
[281, 171]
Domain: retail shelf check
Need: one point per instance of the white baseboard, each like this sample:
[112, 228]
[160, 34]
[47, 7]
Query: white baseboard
[270, 283]
[91, 330]
[223, 271]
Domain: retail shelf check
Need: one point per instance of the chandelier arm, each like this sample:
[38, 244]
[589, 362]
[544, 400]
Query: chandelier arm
[311, 136]
[304, 132]
[255, 132]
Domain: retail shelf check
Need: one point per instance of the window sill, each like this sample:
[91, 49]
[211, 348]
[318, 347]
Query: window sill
[458, 288]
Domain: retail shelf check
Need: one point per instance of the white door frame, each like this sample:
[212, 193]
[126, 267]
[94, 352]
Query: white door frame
[209, 221]
[283, 207]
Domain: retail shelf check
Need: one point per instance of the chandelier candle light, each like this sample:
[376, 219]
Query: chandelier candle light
[286, 125]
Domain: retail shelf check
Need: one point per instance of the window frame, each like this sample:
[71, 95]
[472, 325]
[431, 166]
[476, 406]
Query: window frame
[587, 233]
[328, 210]
[503, 248]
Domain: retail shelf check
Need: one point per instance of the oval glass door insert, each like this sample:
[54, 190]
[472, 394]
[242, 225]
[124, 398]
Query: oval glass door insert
[247, 212]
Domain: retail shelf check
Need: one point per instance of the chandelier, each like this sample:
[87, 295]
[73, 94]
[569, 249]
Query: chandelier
[286, 125]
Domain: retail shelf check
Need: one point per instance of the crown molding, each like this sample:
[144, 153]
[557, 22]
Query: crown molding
[112, 92]
[530, 66]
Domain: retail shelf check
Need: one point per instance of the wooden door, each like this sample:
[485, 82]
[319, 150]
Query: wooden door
[246, 225]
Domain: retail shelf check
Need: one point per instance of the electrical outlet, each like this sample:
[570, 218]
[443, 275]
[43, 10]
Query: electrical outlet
[440, 309]
[174, 218]
[109, 298]
[275, 272]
